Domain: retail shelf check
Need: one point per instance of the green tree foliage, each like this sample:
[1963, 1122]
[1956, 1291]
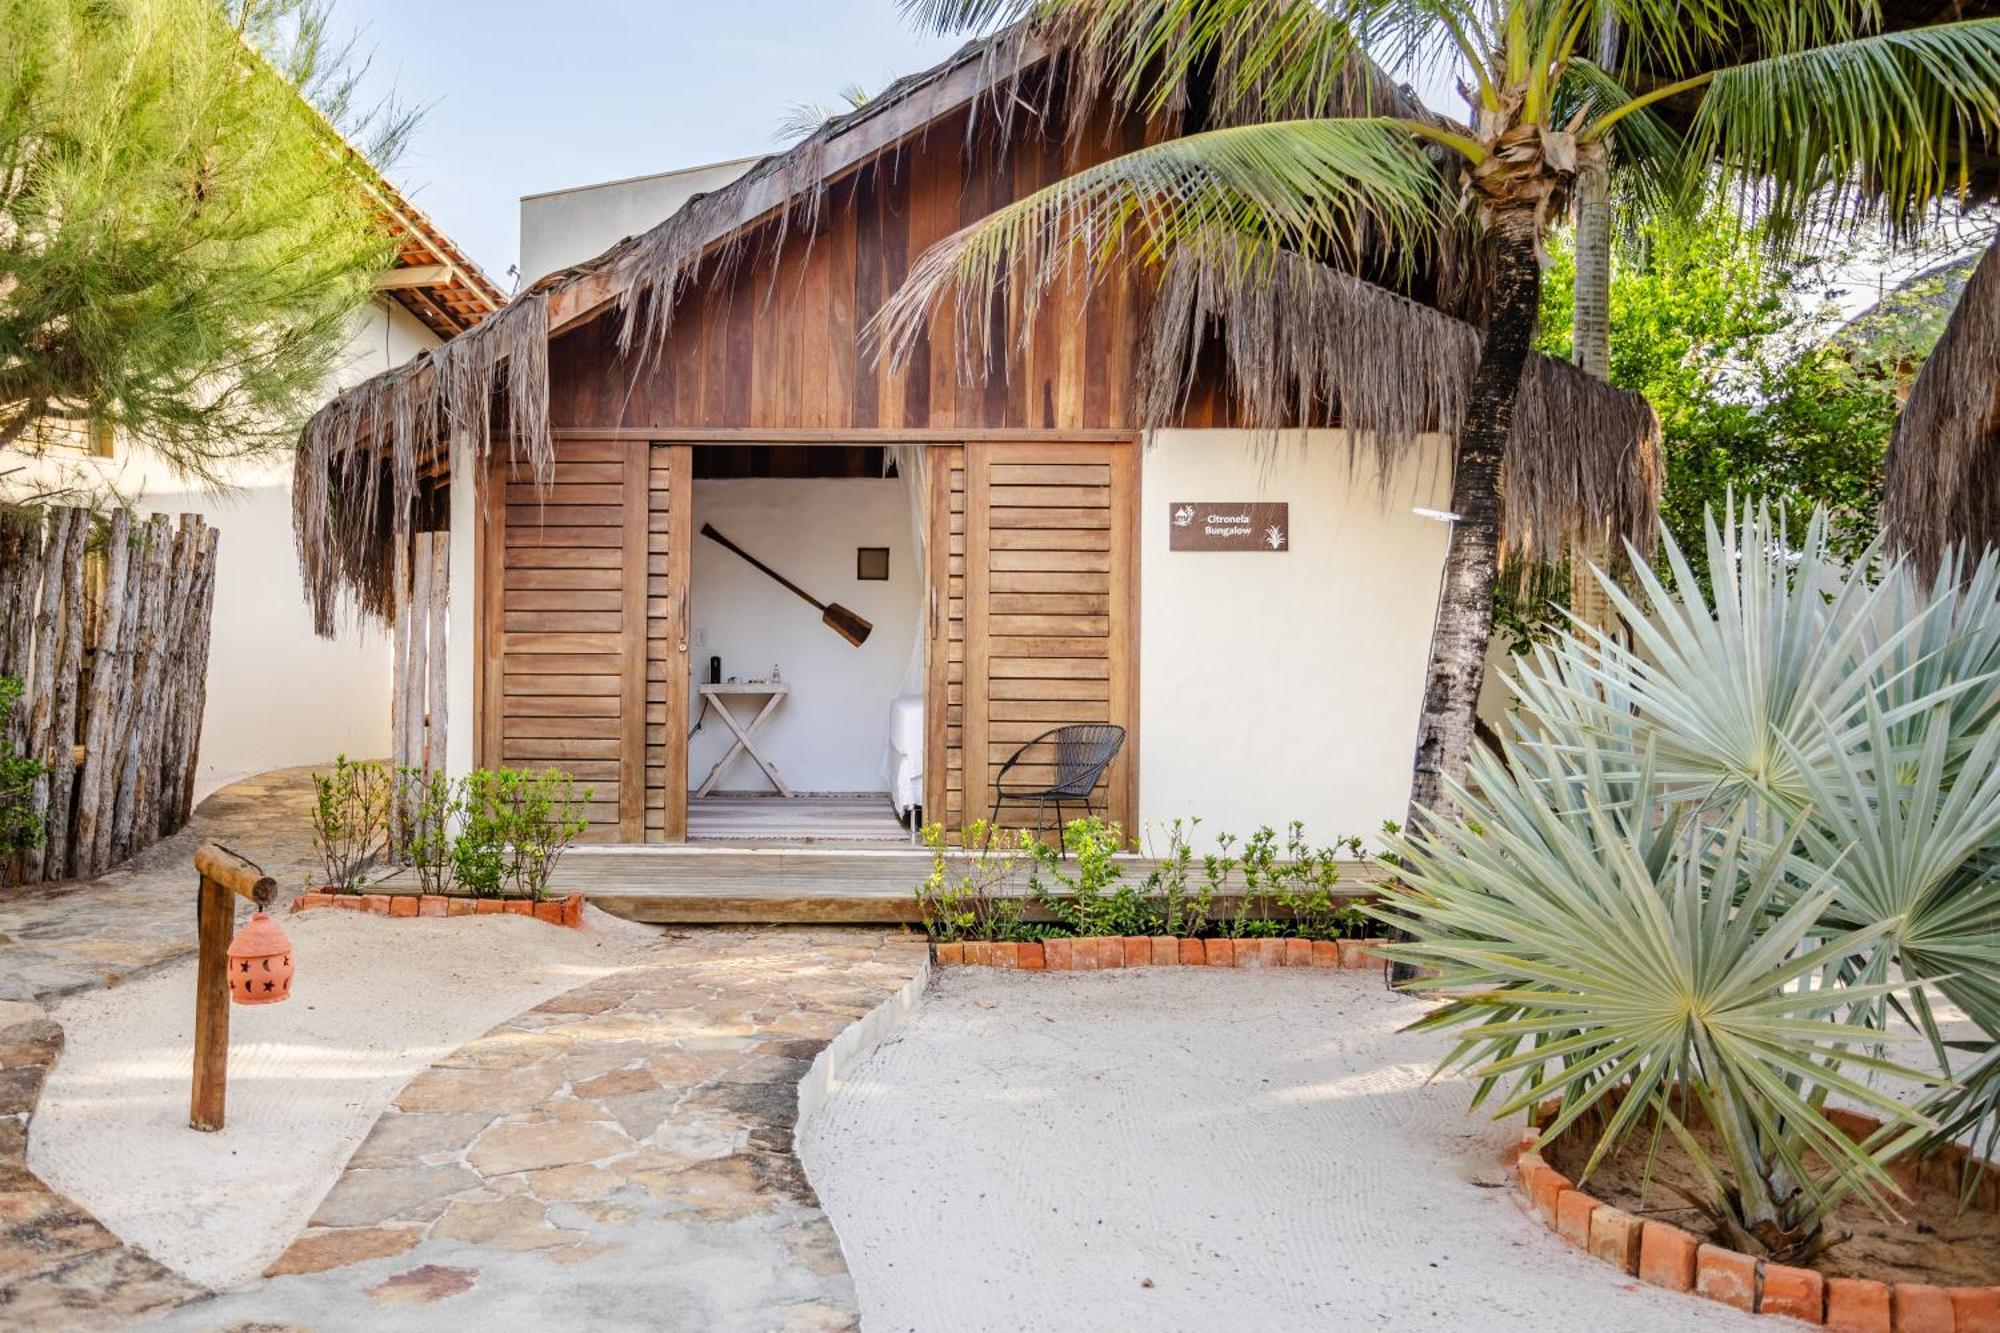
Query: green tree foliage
[1730, 346]
[183, 236]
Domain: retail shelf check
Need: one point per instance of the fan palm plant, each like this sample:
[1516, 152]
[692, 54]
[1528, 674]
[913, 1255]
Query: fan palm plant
[1808, 107]
[1835, 724]
[1616, 951]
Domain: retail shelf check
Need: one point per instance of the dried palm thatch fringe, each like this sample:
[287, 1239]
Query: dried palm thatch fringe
[1943, 483]
[354, 479]
[1306, 343]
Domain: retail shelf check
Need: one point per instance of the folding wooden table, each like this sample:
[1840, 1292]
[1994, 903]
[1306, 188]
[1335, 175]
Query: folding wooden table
[715, 696]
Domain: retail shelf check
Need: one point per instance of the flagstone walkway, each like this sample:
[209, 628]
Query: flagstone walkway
[56, 939]
[618, 1157]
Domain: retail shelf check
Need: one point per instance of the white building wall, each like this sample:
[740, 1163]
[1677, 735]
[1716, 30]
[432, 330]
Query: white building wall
[278, 695]
[829, 734]
[1275, 687]
[564, 227]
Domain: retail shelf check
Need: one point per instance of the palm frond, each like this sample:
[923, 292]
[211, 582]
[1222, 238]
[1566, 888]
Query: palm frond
[1853, 130]
[1255, 59]
[1318, 186]
[1650, 168]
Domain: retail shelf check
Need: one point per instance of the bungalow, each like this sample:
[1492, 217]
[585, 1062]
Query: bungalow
[679, 479]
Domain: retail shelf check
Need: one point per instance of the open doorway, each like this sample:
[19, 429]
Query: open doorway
[805, 703]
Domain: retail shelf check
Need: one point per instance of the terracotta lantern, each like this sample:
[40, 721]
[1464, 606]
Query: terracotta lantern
[260, 962]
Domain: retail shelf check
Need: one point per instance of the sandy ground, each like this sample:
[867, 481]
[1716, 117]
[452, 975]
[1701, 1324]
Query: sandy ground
[1186, 1149]
[375, 1002]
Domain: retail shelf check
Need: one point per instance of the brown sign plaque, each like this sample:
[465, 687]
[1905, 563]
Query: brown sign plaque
[1229, 525]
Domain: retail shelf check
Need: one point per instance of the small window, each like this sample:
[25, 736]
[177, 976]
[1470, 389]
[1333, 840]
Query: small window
[871, 563]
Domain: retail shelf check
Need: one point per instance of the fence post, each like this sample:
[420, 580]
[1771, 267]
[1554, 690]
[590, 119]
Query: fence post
[225, 876]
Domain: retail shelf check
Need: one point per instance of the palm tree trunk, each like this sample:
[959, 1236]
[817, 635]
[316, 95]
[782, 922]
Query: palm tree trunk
[1465, 604]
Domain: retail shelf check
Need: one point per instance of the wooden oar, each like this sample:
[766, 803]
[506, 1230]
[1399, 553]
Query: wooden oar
[837, 617]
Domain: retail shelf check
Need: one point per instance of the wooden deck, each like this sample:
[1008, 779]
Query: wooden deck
[693, 884]
[798, 820]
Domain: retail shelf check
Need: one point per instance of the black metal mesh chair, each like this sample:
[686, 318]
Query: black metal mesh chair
[1082, 752]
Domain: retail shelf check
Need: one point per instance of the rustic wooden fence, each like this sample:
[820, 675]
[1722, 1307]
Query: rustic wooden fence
[105, 621]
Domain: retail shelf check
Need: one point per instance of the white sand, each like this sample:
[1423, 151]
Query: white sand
[1190, 1149]
[375, 1002]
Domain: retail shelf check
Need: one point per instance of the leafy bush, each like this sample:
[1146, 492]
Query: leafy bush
[350, 820]
[514, 826]
[1087, 893]
[964, 897]
[544, 818]
[430, 804]
[1715, 864]
[20, 825]
[482, 858]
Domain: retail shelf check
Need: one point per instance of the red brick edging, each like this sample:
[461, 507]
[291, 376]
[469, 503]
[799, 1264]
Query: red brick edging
[1668, 1256]
[1097, 953]
[557, 912]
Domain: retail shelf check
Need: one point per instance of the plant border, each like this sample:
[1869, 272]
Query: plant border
[1663, 1255]
[1098, 953]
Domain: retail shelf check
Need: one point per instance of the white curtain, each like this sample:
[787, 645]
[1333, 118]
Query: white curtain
[911, 466]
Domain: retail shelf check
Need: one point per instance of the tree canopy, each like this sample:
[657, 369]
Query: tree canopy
[185, 230]
[1756, 391]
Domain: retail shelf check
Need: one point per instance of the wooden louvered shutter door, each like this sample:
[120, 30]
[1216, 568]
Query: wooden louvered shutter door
[563, 618]
[1049, 606]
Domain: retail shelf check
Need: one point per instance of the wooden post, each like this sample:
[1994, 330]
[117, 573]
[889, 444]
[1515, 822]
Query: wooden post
[225, 876]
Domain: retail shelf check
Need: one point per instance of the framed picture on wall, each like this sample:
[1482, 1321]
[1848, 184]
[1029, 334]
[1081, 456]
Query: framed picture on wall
[871, 563]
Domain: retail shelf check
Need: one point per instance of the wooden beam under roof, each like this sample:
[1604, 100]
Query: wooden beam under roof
[414, 275]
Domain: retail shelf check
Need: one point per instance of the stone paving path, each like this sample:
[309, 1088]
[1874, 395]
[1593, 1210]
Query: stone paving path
[56, 939]
[619, 1157]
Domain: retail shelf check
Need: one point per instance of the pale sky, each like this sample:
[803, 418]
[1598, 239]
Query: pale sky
[531, 95]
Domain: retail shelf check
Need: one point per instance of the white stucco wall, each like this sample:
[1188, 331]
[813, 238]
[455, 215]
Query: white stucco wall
[564, 227]
[278, 695]
[1275, 687]
[828, 736]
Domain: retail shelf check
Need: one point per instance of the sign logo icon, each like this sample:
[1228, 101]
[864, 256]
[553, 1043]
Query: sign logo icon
[1274, 537]
[1183, 516]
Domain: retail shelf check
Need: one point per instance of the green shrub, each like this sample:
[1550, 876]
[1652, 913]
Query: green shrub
[1086, 892]
[514, 827]
[350, 820]
[964, 897]
[544, 820]
[20, 825]
[429, 805]
[1179, 910]
[481, 858]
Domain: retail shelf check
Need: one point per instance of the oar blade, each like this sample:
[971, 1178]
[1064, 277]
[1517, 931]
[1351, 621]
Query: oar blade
[847, 625]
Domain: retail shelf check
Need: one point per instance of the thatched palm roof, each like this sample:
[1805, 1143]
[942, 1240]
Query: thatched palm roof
[1585, 456]
[1943, 486]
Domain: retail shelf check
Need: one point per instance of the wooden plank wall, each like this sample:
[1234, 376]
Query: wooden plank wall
[777, 340]
[417, 711]
[565, 591]
[1041, 615]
